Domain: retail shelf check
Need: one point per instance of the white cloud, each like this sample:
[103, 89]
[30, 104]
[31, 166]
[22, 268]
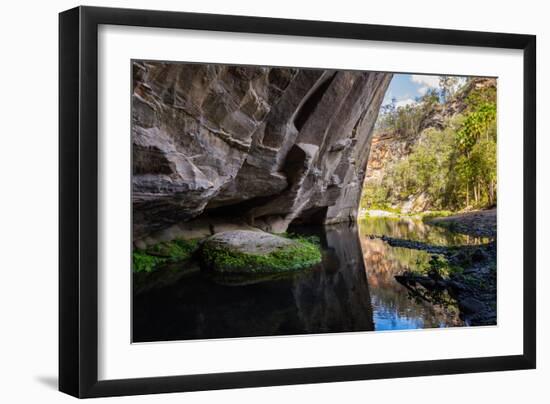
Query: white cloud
[460, 83]
[405, 102]
[430, 82]
[426, 81]
[423, 90]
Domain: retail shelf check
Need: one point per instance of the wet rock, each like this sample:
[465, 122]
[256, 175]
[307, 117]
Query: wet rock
[478, 255]
[456, 286]
[473, 287]
[470, 305]
[435, 275]
[416, 245]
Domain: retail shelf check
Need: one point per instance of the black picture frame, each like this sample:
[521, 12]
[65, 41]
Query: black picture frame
[78, 201]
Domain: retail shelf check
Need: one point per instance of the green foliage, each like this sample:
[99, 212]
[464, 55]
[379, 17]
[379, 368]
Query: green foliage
[312, 239]
[406, 120]
[163, 253]
[143, 262]
[448, 86]
[375, 197]
[476, 98]
[423, 172]
[178, 250]
[439, 266]
[452, 168]
[478, 124]
[304, 254]
[430, 214]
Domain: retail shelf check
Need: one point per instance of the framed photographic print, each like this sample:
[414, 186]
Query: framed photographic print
[250, 201]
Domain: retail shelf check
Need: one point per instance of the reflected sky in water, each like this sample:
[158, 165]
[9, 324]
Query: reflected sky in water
[353, 289]
[393, 307]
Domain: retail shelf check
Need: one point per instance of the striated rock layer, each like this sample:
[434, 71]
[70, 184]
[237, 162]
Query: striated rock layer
[267, 146]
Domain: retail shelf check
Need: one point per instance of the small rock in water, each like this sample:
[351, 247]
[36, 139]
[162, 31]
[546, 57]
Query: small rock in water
[249, 242]
[244, 251]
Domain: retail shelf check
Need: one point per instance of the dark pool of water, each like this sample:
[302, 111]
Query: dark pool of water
[353, 289]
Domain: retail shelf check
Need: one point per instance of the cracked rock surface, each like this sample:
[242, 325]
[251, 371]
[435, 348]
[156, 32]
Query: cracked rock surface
[264, 146]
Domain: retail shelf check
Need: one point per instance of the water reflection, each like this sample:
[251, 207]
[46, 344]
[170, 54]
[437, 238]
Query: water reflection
[393, 307]
[353, 289]
[409, 228]
[331, 297]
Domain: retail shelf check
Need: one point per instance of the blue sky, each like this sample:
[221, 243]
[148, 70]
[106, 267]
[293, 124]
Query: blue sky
[406, 87]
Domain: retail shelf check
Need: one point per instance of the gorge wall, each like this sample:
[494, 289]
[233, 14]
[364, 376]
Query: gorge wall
[390, 146]
[260, 146]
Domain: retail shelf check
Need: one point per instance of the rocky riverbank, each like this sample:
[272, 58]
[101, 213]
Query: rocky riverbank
[479, 223]
[466, 273]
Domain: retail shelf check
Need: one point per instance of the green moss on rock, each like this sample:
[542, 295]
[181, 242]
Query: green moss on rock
[163, 253]
[143, 262]
[281, 255]
[175, 250]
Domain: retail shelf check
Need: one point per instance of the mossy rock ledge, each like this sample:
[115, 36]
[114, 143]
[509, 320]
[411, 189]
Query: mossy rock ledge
[255, 252]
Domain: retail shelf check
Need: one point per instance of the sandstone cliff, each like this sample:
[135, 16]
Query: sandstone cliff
[266, 146]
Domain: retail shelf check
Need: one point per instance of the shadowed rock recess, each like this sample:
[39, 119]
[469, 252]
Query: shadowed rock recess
[218, 147]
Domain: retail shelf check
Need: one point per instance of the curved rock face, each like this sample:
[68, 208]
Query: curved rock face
[268, 145]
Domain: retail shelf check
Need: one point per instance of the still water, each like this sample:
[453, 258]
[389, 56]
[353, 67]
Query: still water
[352, 289]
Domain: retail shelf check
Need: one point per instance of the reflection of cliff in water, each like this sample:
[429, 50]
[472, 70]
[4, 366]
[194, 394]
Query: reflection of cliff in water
[336, 298]
[393, 307]
[332, 297]
[352, 289]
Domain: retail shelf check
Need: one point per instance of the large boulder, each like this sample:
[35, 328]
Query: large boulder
[268, 145]
[245, 251]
